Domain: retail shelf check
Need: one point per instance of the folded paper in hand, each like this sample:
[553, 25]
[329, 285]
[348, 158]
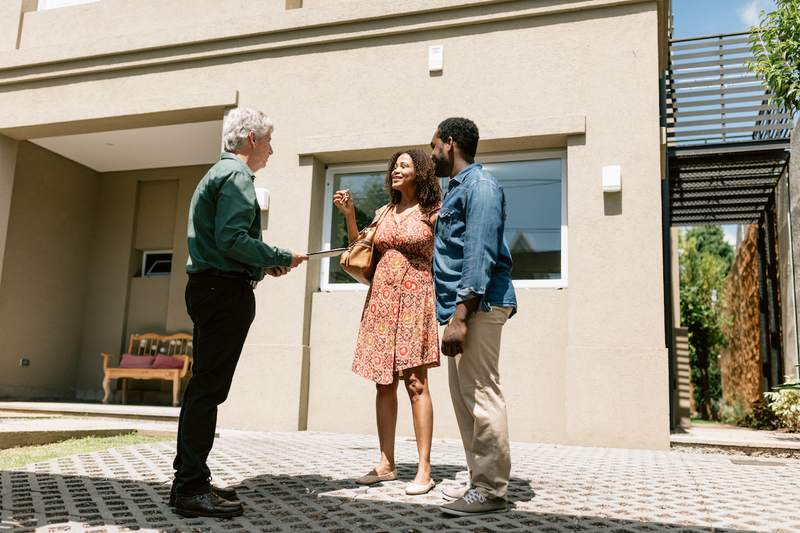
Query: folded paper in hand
[335, 252]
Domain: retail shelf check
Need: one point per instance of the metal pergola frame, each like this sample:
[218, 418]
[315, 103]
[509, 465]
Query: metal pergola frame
[711, 186]
[726, 149]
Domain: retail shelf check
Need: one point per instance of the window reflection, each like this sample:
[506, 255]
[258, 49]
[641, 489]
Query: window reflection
[533, 190]
[368, 195]
[533, 210]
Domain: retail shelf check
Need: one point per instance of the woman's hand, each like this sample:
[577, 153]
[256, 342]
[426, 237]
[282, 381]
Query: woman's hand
[344, 203]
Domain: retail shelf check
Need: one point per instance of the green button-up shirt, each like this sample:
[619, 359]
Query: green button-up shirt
[225, 223]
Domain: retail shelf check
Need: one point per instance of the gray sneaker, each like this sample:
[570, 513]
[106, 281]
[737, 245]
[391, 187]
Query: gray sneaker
[474, 503]
[455, 492]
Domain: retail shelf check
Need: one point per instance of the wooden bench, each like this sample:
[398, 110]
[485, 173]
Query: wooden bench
[148, 346]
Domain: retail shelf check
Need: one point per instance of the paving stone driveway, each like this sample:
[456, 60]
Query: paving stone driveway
[303, 482]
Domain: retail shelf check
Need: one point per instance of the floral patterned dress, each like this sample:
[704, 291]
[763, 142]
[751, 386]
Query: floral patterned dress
[398, 324]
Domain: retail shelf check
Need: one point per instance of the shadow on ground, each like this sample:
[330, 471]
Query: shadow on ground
[54, 502]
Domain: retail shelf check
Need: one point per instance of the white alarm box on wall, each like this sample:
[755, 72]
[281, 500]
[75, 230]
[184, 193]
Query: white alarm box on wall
[612, 178]
[262, 196]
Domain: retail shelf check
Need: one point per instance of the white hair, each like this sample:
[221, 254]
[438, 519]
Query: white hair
[238, 124]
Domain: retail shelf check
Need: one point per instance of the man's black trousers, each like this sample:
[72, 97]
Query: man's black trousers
[222, 310]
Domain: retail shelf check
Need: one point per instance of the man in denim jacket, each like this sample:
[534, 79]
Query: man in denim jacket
[474, 297]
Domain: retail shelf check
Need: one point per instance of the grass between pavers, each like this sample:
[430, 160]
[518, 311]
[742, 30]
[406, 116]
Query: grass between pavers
[25, 455]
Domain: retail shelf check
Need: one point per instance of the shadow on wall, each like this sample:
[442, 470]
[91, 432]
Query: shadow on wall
[612, 204]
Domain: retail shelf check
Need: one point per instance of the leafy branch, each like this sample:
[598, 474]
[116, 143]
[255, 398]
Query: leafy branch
[775, 45]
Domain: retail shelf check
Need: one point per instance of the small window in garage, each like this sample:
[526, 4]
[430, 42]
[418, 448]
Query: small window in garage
[156, 263]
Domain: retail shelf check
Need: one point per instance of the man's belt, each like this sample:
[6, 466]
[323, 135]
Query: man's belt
[243, 276]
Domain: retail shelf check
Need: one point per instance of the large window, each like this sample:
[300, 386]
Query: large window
[536, 224]
[53, 4]
[536, 210]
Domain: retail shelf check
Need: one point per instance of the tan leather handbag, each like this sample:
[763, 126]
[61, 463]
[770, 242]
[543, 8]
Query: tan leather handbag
[361, 257]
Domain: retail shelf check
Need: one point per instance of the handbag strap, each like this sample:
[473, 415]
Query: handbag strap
[378, 220]
[373, 224]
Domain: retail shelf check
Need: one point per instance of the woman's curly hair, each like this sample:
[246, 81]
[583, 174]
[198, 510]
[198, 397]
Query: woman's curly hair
[429, 193]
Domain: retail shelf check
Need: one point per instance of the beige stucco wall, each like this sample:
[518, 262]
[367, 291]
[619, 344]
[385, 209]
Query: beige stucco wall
[155, 216]
[11, 16]
[43, 290]
[148, 302]
[148, 297]
[569, 353]
[580, 76]
[133, 26]
[534, 377]
[8, 168]
[105, 17]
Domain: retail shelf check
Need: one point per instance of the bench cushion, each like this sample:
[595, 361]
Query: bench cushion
[136, 361]
[167, 361]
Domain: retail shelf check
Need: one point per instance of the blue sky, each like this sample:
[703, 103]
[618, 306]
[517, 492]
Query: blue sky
[695, 18]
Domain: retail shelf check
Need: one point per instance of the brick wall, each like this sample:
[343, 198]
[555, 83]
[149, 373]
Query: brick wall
[740, 361]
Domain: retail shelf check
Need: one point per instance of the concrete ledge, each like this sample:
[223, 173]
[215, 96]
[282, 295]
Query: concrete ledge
[737, 449]
[82, 114]
[33, 424]
[147, 412]
[528, 134]
[38, 438]
[724, 438]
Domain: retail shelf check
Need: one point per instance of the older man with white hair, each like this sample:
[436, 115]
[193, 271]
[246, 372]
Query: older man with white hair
[227, 257]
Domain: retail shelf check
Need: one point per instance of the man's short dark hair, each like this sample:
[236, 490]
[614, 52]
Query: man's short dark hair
[465, 134]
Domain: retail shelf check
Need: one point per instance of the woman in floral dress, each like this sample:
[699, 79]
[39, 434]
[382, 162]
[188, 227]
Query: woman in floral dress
[398, 339]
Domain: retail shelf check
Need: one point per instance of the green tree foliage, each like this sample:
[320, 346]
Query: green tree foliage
[775, 44]
[705, 259]
[711, 240]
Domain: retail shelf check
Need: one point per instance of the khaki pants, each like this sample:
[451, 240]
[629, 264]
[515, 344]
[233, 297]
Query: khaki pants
[478, 402]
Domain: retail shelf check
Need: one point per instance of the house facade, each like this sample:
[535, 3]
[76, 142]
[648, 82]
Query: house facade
[110, 113]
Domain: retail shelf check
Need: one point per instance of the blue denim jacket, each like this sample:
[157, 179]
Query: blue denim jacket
[471, 256]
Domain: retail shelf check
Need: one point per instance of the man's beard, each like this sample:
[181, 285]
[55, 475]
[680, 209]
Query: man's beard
[442, 168]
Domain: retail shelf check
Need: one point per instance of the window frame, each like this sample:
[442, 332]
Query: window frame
[500, 157]
[506, 157]
[146, 253]
[327, 221]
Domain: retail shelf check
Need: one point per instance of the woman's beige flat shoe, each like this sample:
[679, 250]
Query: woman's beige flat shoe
[415, 489]
[373, 477]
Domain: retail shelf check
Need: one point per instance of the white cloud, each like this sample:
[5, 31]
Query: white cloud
[750, 11]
